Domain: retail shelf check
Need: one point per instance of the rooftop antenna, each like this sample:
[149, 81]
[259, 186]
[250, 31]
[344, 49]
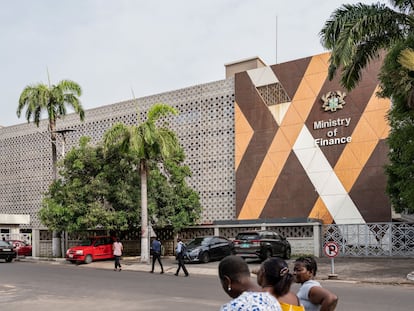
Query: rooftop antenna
[48, 75]
[133, 94]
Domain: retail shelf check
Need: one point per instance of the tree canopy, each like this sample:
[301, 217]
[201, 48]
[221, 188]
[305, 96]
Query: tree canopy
[101, 190]
[52, 100]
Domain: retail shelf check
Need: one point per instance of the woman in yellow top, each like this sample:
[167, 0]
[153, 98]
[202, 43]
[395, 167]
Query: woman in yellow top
[274, 277]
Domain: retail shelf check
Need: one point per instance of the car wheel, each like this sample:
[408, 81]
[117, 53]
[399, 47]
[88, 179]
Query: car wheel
[88, 259]
[205, 257]
[287, 253]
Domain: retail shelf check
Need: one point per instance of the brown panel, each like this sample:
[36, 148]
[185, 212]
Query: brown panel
[290, 74]
[264, 127]
[368, 192]
[293, 195]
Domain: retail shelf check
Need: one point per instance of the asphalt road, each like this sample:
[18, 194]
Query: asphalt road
[47, 286]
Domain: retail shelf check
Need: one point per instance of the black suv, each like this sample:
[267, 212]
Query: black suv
[261, 244]
[6, 251]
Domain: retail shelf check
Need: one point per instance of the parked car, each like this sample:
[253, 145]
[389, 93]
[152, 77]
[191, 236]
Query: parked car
[261, 244]
[206, 248]
[6, 251]
[21, 247]
[91, 249]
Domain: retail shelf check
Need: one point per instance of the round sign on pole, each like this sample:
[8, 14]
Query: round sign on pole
[331, 249]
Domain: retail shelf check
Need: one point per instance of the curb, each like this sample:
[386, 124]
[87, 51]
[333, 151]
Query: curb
[132, 263]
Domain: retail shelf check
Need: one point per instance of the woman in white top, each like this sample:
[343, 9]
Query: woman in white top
[117, 249]
[311, 294]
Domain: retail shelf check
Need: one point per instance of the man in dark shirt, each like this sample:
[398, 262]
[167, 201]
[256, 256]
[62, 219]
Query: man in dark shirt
[156, 254]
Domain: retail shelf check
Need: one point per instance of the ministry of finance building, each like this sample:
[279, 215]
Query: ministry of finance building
[266, 143]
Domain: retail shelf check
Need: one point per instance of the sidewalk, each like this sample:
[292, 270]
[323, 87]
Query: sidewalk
[395, 271]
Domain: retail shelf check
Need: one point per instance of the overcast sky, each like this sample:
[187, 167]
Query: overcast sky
[114, 48]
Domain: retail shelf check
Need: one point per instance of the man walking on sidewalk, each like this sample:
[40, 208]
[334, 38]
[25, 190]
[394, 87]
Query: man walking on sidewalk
[156, 254]
[180, 252]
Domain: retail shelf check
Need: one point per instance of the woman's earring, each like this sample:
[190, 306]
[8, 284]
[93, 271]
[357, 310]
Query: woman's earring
[229, 289]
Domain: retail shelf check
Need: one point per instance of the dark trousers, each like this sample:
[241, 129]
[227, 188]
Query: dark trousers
[156, 256]
[117, 262]
[181, 264]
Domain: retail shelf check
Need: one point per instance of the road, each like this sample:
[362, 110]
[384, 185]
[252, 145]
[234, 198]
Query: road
[64, 287]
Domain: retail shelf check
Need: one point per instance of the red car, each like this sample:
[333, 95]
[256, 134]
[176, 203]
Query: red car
[91, 249]
[21, 247]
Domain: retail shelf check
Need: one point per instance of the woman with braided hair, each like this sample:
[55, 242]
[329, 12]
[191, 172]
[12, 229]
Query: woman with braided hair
[311, 294]
[274, 277]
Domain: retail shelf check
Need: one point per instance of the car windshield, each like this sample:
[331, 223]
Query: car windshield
[86, 242]
[247, 236]
[199, 241]
[4, 244]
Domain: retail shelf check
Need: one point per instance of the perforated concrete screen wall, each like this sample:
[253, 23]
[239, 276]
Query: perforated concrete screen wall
[205, 127]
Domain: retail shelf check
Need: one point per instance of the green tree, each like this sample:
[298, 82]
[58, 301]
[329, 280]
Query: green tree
[397, 76]
[171, 201]
[357, 34]
[149, 143]
[52, 100]
[100, 191]
[79, 200]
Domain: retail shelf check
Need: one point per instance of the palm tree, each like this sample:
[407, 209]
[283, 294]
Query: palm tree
[147, 142]
[356, 34]
[51, 99]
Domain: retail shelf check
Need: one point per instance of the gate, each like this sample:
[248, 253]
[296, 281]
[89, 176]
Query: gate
[373, 239]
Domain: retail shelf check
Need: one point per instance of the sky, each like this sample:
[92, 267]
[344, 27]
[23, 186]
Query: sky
[120, 49]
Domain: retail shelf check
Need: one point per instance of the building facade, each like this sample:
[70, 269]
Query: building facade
[307, 148]
[269, 142]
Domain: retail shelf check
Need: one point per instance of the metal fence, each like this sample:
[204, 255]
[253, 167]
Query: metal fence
[354, 240]
[371, 240]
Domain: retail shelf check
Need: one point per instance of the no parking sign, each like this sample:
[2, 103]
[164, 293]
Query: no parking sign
[331, 249]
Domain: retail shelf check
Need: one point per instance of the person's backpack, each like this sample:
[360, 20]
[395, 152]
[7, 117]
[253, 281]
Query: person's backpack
[183, 249]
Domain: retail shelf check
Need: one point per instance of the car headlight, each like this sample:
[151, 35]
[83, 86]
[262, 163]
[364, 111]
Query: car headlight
[195, 252]
[79, 252]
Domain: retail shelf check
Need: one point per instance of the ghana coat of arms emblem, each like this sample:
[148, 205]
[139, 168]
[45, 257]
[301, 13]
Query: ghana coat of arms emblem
[333, 100]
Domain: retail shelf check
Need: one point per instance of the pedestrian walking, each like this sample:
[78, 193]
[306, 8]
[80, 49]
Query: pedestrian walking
[180, 253]
[117, 249]
[311, 294]
[156, 254]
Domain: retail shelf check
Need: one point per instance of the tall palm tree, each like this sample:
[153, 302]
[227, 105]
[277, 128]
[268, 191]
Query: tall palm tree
[147, 142]
[358, 33]
[52, 100]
